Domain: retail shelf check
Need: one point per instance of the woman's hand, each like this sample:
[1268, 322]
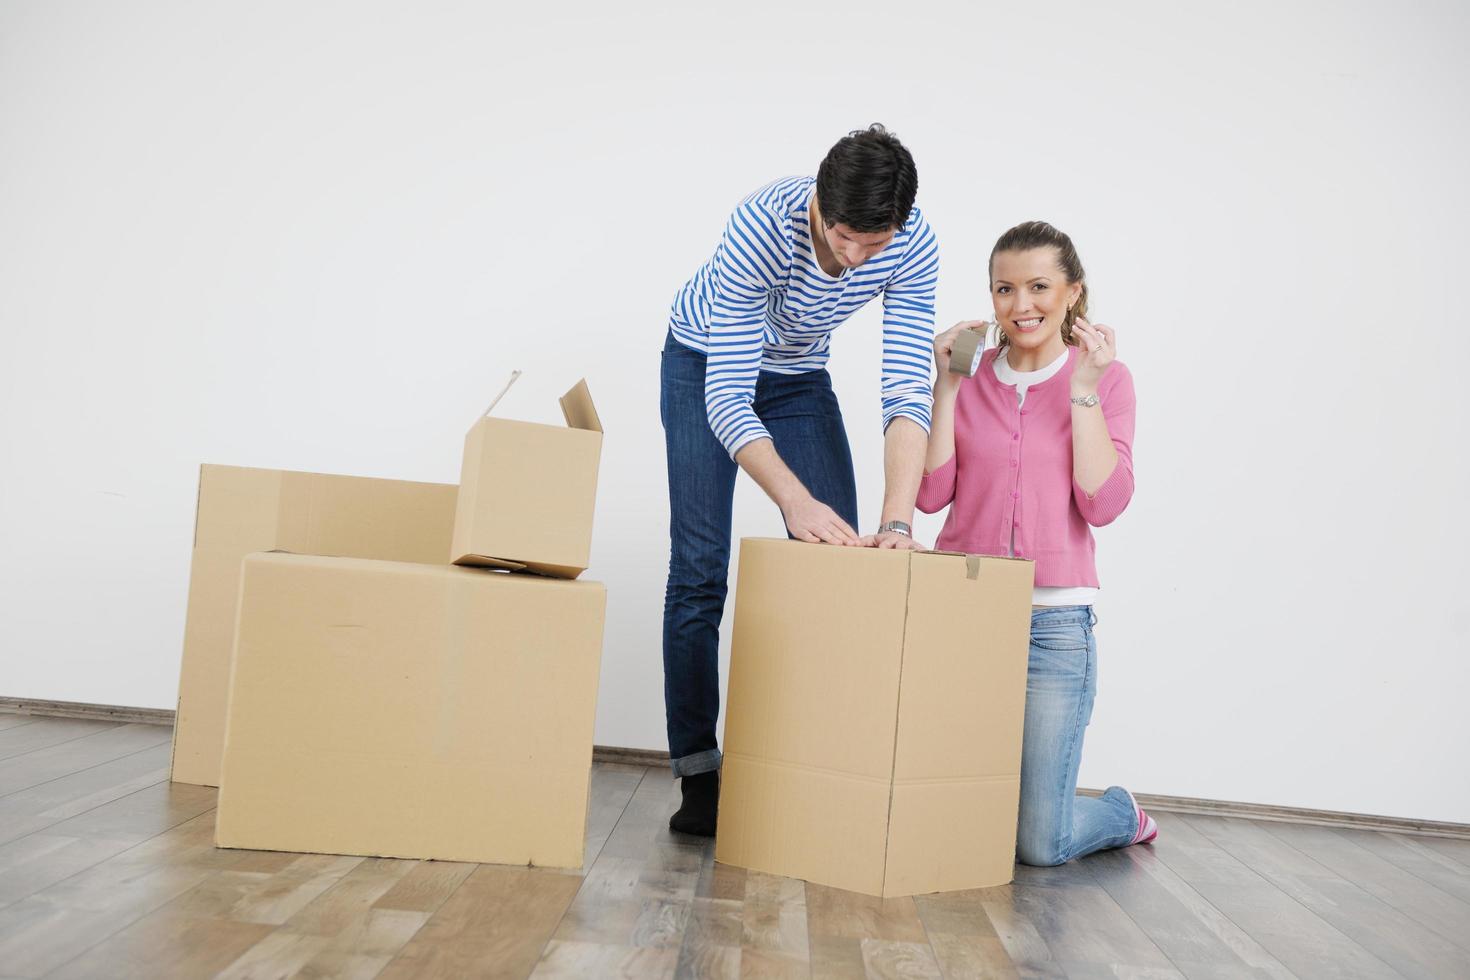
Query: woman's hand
[944, 346]
[1097, 346]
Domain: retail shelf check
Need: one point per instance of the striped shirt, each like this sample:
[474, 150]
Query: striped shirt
[762, 303]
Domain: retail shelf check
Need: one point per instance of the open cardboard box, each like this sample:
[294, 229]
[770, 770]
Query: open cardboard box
[528, 490]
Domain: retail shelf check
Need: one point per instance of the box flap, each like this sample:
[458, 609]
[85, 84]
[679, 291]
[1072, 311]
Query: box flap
[577, 408]
[487, 561]
[514, 375]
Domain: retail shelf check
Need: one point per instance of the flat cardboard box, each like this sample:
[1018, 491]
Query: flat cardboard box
[873, 726]
[527, 491]
[242, 510]
[412, 711]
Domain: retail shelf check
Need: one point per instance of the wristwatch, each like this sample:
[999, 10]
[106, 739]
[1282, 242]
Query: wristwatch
[1086, 401]
[897, 527]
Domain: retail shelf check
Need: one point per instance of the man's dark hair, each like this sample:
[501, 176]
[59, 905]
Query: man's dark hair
[867, 181]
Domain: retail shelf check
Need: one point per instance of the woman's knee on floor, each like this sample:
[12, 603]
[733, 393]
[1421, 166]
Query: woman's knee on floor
[1040, 846]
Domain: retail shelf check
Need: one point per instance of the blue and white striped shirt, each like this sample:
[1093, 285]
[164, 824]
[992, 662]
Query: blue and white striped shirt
[762, 303]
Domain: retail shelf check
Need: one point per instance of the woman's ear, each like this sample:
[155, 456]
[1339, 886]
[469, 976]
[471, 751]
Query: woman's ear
[1074, 292]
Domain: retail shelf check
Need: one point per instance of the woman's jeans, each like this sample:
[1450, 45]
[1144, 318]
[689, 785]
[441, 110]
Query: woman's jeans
[800, 412]
[1055, 823]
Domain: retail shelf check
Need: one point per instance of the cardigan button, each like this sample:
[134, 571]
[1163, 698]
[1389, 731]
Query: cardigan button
[1015, 436]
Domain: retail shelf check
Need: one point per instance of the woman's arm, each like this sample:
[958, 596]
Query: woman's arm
[937, 488]
[946, 390]
[941, 431]
[1102, 434]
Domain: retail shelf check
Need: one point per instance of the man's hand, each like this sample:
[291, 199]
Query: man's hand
[813, 521]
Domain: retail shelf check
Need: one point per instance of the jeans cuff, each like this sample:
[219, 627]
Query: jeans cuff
[693, 765]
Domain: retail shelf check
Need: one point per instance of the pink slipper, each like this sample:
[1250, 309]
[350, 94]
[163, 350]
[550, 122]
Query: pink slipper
[1147, 829]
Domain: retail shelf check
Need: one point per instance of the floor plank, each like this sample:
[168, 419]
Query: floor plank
[342, 931]
[1454, 848]
[1424, 903]
[36, 861]
[496, 924]
[1303, 942]
[613, 787]
[575, 961]
[774, 938]
[1024, 945]
[118, 829]
[644, 822]
[38, 734]
[1082, 926]
[963, 938]
[712, 934]
[166, 946]
[1196, 936]
[1412, 855]
[426, 887]
[1410, 947]
[74, 755]
[50, 803]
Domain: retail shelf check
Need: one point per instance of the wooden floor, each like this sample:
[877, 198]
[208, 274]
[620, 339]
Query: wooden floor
[107, 870]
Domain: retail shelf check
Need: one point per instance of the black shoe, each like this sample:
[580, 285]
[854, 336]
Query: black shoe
[701, 804]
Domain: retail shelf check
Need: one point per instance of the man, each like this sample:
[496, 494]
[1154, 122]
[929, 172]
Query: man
[744, 384]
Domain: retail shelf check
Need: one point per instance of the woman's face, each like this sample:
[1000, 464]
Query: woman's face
[1031, 295]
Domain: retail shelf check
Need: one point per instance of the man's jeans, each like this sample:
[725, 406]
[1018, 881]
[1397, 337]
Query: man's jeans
[800, 412]
[1055, 824]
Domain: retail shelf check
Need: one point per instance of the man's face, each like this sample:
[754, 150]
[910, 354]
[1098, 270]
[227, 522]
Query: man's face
[853, 248]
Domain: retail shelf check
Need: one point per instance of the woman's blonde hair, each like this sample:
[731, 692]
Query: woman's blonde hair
[1039, 234]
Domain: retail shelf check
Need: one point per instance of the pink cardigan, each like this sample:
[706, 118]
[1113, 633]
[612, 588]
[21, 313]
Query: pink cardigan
[1014, 467]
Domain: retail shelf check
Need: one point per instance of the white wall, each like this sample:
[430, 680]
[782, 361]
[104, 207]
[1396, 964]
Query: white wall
[317, 236]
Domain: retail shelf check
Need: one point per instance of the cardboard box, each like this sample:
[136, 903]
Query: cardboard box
[244, 510]
[527, 491]
[414, 711]
[873, 725]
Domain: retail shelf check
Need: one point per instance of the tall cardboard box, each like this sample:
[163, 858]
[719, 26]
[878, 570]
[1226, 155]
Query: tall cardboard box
[415, 711]
[873, 726]
[527, 491]
[241, 510]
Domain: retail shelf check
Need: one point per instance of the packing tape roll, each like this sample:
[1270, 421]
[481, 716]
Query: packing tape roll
[968, 348]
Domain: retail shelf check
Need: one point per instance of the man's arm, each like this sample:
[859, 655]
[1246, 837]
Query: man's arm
[749, 266]
[904, 445]
[908, 344]
[806, 517]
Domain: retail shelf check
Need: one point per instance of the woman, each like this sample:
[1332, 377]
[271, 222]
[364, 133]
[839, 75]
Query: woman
[1032, 452]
